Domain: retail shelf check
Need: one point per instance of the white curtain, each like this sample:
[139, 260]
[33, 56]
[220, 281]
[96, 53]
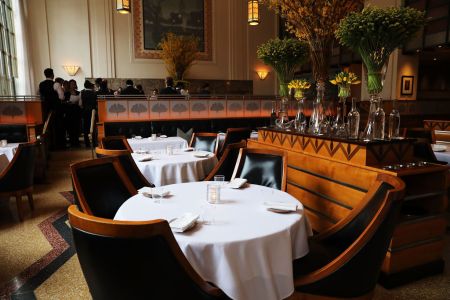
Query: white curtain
[25, 81]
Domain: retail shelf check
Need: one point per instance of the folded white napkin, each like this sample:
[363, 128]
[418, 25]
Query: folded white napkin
[138, 137]
[280, 206]
[145, 158]
[237, 183]
[183, 223]
[153, 192]
[439, 148]
[163, 136]
[188, 149]
[201, 154]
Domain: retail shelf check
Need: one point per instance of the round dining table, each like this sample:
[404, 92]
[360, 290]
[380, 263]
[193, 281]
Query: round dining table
[164, 169]
[149, 144]
[247, 251]
[443, 154]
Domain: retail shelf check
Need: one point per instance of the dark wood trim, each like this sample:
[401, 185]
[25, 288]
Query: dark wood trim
[112, 138]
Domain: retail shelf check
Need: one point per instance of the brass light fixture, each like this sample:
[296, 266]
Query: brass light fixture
[253, 12]
[123, 6]
[71, 70]
[262, 74]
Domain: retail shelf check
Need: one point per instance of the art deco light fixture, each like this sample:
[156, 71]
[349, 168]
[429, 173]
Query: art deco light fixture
[262, 74]
[71, 70]
[123, 6]
[253, 12]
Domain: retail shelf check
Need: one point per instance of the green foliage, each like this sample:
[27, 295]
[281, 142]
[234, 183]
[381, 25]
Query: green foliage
[284, 56]
[375, 32]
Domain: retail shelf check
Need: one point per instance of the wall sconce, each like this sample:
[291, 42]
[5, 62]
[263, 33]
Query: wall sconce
[71, 70]
[123, 6]
[253, 12]
[262, 74]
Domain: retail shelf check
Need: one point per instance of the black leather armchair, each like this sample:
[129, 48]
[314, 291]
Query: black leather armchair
[205, 141]
[345, 261]
[115, 143]
[263, 167]
[235, 135]
[101, 186]
[226, 164]
[131, 169]
[17, 178]
[135, 260]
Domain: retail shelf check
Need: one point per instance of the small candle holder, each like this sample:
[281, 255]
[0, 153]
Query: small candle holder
[213, 193]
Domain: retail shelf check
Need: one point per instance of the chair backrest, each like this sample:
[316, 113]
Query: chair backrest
[131, 169]
[101, 186]
[235, 135]
[422, 150]
[134, 260]
[19, 173]
[115, 143]
[226, 164]
[354, 272]
[262, 166]
[205, 141]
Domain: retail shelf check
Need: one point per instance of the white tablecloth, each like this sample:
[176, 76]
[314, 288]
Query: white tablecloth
[159, 144]
[9, 150]
[443, 156]
[177, 168]
[248, 251]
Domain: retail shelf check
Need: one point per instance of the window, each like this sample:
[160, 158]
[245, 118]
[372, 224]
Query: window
[8, 54]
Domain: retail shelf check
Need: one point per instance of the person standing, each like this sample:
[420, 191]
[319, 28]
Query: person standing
[52, 95]
[130, 89]
[169, 89]
[88, 103]
[73, 114]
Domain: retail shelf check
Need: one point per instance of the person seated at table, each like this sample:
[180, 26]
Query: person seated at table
[154, 95]
[103, 89]
[169, 89]
[140, 89]
[130, 89]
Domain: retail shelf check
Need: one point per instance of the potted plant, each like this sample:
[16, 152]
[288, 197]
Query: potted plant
[374, 33]
[178, 53]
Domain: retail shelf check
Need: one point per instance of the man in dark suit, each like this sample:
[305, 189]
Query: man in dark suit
[52, 94]
[88, 103]
[169, 89]
[130, 89]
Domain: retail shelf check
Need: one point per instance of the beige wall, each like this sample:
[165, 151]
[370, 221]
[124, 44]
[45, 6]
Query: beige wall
[92, 35]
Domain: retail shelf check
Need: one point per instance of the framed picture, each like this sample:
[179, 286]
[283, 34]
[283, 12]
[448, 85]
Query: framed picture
[153, 19]
[407, 85]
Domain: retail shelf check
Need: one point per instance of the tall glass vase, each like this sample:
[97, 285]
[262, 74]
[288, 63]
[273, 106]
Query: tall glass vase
[300, 118]
[317, 116]
[375, 82]
[394, 122]
[283, 117]
[340, 127]
[353, 121]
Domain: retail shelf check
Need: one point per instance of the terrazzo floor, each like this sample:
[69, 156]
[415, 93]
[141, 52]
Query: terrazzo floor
[37, 260]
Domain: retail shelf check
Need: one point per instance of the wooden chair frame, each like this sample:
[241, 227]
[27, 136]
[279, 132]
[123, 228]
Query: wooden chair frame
[138, 229]
[244, 151]
[19, 193]
[227, 136]
[91, 132]
[205, 134]
[224, 156]
[94, 162]
[118, 137]
[394, 194]
[107, 152]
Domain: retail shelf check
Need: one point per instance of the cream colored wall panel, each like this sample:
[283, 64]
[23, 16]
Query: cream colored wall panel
[68, 30]
[36, 19]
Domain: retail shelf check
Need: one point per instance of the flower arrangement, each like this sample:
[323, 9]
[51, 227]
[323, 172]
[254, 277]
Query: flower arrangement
[285, 57]
[178, 53]
[343, 80]
[315, 22]
[374, 33]
[300, 86]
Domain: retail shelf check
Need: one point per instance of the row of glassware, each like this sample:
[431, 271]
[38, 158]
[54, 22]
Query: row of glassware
[342, 125]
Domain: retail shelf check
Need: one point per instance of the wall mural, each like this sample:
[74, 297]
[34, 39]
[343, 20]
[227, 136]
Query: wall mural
[155, 18]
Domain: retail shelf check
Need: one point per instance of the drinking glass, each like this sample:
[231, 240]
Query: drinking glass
[3, 143]
[153, 136]
[220, 179]
[169, 150]
[156, 194]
